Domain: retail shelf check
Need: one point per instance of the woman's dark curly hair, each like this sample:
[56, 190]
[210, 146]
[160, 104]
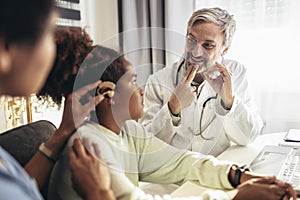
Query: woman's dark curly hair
[79, 63]
[72, 46]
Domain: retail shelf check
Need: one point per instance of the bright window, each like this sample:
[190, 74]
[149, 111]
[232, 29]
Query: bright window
[267, 42]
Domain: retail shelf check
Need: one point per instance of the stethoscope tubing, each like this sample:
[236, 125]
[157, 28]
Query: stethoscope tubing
[203, 105]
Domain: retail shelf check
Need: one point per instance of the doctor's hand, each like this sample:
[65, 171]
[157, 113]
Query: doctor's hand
[222, 84]
[184, 93]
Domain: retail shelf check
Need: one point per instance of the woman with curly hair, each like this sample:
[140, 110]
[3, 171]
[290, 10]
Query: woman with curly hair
[131, 153]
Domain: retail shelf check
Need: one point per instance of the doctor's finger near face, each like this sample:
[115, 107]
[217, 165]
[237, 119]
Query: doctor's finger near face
[208, 42]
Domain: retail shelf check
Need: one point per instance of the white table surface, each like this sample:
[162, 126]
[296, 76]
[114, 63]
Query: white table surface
[246, 154]
[241, 154]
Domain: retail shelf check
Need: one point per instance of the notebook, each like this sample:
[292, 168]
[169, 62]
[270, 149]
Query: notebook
[281, 161]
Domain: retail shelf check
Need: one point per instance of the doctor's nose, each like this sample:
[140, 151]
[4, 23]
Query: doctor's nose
[198, 51]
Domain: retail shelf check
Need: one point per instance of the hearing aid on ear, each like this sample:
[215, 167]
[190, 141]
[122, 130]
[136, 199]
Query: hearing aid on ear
[106, 88]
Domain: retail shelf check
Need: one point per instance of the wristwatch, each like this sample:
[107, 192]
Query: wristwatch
[238, 173]
[224, 106]
[48, 153]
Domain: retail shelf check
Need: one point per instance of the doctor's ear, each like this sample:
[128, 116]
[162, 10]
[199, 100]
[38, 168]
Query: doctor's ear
[225, 51]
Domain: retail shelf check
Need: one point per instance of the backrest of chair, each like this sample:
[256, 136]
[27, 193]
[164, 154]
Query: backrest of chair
[22, 142]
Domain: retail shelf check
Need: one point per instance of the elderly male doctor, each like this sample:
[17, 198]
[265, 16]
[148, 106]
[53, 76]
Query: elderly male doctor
[202, 103]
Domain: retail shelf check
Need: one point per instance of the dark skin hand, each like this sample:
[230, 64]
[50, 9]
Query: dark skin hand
[256, 186]
[86, 167]
[266, 188]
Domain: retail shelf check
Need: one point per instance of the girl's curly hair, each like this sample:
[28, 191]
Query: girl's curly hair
[79, 63]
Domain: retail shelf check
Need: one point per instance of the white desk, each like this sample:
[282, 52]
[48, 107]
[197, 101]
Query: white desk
[246, 154]
[241, 154]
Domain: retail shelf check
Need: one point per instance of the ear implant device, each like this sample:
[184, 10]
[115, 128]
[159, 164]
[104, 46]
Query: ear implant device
[106, 88]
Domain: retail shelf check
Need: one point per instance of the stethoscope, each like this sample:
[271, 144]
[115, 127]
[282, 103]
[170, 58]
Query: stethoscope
[202, 111]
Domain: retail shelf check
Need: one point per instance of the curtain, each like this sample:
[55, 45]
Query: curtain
[266, 42]
[141, 37]
[149, 37]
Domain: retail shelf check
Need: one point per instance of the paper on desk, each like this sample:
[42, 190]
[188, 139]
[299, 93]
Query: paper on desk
[293, 135]
[289, 144]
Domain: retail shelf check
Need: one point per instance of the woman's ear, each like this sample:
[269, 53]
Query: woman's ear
[5, 58]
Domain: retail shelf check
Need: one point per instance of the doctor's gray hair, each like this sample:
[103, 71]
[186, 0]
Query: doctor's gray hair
[217, 16]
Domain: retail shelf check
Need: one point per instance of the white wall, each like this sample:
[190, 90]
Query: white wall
[101, 19]
[177, 14]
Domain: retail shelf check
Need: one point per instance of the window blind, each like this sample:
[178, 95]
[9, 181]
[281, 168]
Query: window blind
[69, 12]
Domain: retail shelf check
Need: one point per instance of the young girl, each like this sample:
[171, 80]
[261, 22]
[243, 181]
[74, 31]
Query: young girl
[134, 155]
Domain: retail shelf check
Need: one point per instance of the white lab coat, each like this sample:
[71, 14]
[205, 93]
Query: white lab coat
[240, 125]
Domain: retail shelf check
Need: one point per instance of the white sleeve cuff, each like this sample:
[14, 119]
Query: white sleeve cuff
[220, 111]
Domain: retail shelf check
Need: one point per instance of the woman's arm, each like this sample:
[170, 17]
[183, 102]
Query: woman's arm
[40, 165]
